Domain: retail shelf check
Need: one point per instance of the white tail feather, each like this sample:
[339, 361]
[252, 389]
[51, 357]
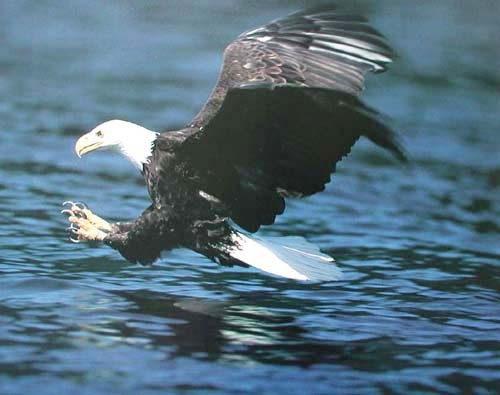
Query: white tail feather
[291, 257]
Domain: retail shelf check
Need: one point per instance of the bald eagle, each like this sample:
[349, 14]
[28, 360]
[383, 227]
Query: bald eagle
[285, 110]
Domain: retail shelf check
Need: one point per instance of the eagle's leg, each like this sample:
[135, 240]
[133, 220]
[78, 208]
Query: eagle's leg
[85, 225]
[141, 240]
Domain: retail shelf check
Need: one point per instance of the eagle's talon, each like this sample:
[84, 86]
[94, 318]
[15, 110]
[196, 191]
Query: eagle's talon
[84, 226]
[84, 231]
[79, 213]
[80, 205]
[73, 233]
[74, 207]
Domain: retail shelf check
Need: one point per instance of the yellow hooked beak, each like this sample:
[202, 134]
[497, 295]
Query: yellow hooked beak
[87, 143]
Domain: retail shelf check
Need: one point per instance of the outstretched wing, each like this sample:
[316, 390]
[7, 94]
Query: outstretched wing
[271, 141]
[284, 112]
[319, 48]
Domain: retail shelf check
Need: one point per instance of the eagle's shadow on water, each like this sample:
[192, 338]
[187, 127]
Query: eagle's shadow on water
[239, 330]
[289, 323]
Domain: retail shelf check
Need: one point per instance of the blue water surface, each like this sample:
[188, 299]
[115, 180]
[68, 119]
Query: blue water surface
[418, 310]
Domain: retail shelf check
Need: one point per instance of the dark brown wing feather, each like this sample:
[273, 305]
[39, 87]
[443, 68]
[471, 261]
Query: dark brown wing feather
[270, 142]
[313, 48]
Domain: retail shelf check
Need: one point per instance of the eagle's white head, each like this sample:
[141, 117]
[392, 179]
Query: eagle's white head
[133, 141]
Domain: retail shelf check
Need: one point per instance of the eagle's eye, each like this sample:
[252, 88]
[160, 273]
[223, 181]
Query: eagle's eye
[99, 133]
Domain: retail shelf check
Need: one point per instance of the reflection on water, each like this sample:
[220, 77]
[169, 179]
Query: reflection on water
[417, 310]
[50, 322]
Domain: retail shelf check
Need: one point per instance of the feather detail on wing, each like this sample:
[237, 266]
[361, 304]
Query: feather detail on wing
[320, 48]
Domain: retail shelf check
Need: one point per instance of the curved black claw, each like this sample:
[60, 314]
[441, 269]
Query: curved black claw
[80, 205]
[73, 235]
[72, 229]
[75, 208]
[71, 204]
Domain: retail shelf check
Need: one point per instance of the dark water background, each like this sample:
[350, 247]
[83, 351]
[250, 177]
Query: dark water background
[418, 309]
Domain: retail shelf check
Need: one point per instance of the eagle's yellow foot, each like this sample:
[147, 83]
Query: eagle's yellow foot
[81, 211]
[83, 231]
[85, 225]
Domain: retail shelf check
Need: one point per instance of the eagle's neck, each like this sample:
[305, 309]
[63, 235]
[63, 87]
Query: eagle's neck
[137, 147]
